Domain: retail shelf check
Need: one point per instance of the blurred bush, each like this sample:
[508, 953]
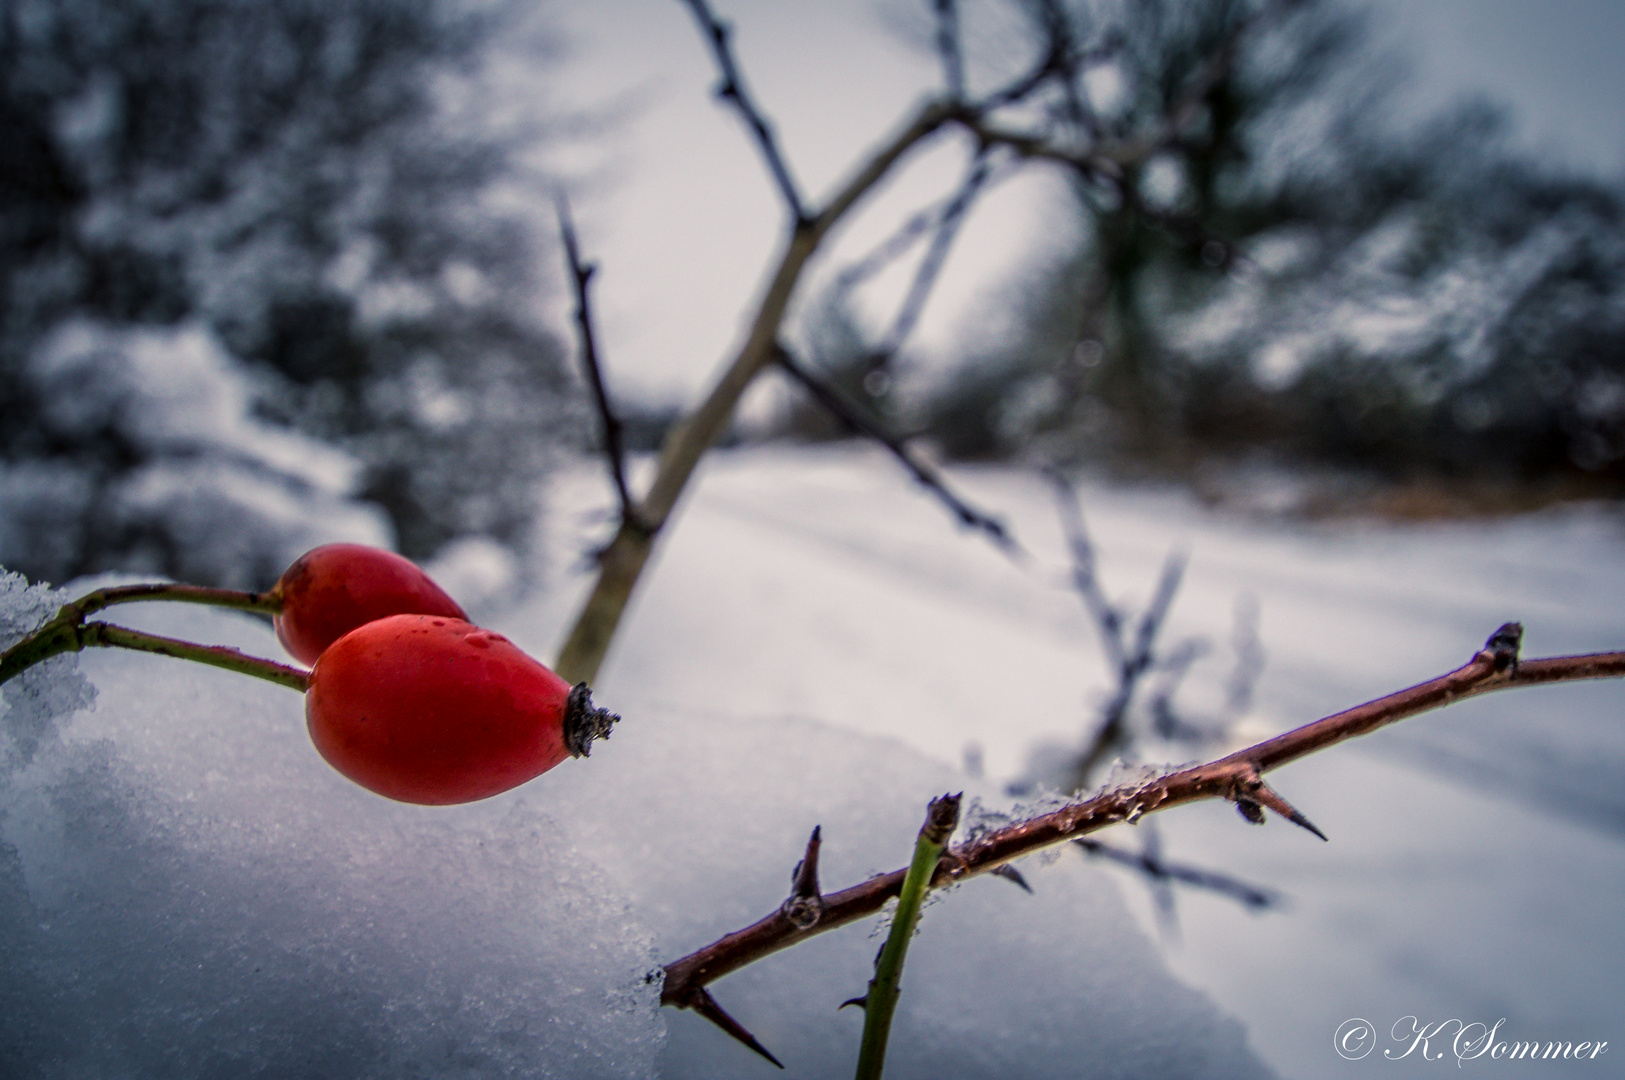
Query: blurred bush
[263, 278]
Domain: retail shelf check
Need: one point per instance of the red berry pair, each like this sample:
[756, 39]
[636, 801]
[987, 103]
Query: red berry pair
[410, 700]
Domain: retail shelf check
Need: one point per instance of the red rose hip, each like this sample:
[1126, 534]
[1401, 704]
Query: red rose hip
[435, 711]
[333, 589]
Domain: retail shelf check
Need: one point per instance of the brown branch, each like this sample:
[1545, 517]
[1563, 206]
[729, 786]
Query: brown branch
[1237, 777]
[614, 442]
[622, 561]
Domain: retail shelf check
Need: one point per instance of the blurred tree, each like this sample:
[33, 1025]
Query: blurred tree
[308, 194]
[1290, 269]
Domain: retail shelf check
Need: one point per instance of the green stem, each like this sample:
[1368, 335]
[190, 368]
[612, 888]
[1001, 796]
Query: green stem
[67, 631]
[881, 1002]
[63, 637]
[266, 602]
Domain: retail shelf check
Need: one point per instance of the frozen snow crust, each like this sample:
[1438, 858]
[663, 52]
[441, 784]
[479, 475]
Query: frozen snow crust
[186, 890]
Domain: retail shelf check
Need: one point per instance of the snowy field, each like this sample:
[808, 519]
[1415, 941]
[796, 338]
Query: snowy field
[186, 890]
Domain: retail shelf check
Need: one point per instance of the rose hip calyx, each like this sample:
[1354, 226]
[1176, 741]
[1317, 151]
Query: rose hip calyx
[584, 721]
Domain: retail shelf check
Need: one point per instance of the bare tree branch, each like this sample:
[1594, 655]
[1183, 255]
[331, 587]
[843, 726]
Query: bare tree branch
[1129, 663]
[622, 561]
[614, 440]
[1237, 777]
[953, 62]
[732, 90]
[925, 275]
[968, 515]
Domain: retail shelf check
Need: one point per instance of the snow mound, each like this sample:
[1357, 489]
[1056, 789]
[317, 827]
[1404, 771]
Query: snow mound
[709, 816]
[186, 890]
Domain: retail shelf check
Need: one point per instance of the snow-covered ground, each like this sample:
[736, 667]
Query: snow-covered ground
[1477, 854]
[186, 890]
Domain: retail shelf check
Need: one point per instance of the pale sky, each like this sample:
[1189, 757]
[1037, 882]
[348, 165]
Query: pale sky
[683, 221]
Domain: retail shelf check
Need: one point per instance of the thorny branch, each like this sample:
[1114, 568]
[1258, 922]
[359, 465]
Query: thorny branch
[1237, 777]
[614, 442]
[968, 515]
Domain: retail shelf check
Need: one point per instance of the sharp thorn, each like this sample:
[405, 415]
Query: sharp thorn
[805, 905]
[860, 1002]
[1011, 874]
[1263, 795]
[703, 1003]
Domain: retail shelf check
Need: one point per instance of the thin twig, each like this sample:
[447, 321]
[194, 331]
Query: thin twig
[62, 633]
[931, 263]
[1129, 663]
[953, 61]
[614, 438]
[732, 90]
[66, 637]
[621, 563]
[1086, 572]
[916, 225]
[1237, 777]
[968, 515]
